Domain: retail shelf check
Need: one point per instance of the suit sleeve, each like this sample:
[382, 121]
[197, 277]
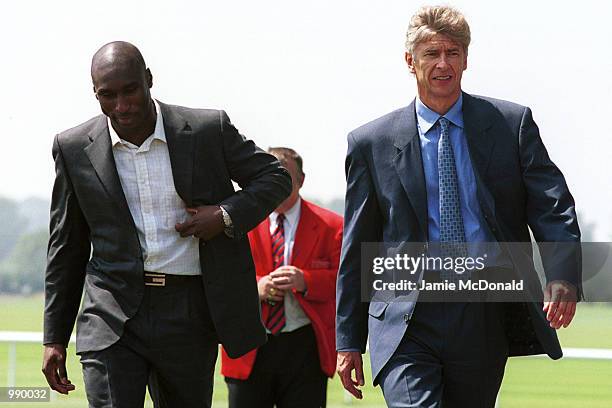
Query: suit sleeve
[321, 285]
[263, 181]
[551, 212]
[362, 223]
[67, 256]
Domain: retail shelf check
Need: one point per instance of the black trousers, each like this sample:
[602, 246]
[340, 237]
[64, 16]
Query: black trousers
[286, 374]
[170, 344]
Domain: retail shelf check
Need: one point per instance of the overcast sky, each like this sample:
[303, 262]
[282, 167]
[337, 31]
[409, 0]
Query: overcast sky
[303, 74]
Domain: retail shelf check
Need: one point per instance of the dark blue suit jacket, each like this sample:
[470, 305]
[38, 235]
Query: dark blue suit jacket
[518, 188]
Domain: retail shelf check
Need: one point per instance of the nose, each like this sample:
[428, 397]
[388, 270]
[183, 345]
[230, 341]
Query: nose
[442, 62]
[122, 105]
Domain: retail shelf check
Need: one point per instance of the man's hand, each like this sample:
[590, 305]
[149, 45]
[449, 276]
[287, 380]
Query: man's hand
[206, 222]
[289, 277]
[560, 303]
[268, 291]
[54, 368]
[346, 362]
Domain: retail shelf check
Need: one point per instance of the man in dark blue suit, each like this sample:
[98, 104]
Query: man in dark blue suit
[452, 168]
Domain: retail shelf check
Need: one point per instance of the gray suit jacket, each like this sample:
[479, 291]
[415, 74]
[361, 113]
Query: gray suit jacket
[94, 248]
[518, 188]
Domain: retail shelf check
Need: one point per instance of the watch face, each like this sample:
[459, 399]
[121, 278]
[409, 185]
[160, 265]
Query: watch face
[226, 218]
[228, 226]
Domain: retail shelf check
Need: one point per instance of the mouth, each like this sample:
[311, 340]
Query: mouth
[442, 78]
[124, 118]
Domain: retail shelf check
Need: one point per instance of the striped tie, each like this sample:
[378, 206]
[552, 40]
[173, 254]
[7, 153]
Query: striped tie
[276, 318]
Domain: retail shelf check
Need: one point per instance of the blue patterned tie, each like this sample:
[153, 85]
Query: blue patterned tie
[452, 232]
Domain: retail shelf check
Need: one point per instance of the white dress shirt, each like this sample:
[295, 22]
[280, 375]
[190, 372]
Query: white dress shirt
[146, 178]
[294, 315]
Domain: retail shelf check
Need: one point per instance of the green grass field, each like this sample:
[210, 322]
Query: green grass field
[529, 382]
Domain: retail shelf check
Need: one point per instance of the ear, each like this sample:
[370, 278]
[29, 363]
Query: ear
[149, 78]
[410, 62]
[94, 91]
[301, 180]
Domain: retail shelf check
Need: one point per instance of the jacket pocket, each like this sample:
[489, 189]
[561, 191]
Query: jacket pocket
[377, 309]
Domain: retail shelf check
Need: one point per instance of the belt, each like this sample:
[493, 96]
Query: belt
[163, 279]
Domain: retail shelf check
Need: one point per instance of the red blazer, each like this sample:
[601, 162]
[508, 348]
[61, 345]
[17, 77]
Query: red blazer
[316, 251]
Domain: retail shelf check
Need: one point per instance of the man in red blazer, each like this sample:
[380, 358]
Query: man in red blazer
[296, 252]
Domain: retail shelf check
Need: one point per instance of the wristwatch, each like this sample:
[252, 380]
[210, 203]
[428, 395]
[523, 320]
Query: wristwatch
[228, 225]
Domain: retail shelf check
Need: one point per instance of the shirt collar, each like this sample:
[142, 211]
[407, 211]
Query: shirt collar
[159, 132]
[292, 215]
[427, 118]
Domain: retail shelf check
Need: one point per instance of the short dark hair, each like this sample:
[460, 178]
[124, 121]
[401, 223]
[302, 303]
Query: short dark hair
[285, 153]
[119, 52]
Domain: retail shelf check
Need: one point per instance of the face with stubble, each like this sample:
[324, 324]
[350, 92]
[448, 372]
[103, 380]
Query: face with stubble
[122, 86]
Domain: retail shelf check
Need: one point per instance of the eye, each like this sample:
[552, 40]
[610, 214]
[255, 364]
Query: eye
[105, 94]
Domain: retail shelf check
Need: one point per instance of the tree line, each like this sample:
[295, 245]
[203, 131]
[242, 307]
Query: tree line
[25, 234]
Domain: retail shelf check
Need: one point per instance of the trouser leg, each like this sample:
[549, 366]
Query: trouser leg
[254, 392]
[452, 355]
[115, 377]
[413, 376]
[287, 372]
[184, 347]
[475, 355]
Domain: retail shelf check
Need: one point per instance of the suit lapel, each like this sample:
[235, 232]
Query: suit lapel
[100, 155]
[181, 149]
[263, 235]
[306, 237]
[481, 142]
[409, 163]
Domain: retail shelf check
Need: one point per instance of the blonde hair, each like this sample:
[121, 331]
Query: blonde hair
[431, 20]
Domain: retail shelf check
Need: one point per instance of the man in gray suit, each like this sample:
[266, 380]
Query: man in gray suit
[451, 169]
[146, 223]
